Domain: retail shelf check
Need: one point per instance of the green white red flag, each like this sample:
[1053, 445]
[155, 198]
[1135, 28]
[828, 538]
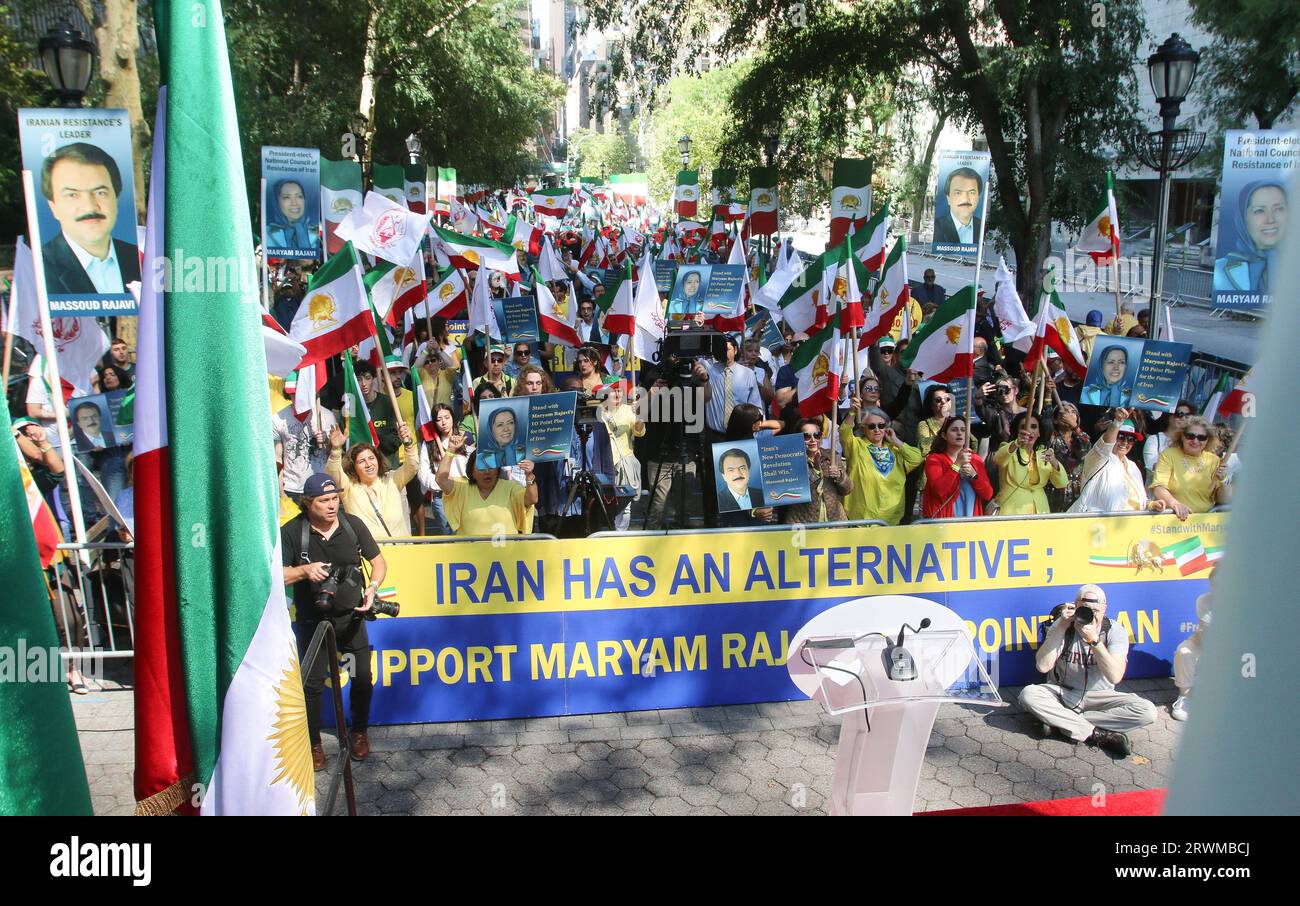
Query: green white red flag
[868, 242]
[395, 290]
[850, 196]
[335, 311]
[686, 196]
[340, 192]
[630, 188]
[552, 202]
[413, 187]
[522, 235]
[943, 349]
[220, 718]
[763, 202]
[361, 429]
[1053, 330]
[818, 364]
[1100, 237]
[472, 252]
[892, 294]
[556, 317]
[389, 180]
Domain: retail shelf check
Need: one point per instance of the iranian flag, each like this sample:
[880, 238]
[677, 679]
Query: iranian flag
[481, 316]
[868, 243]
[360, 429]
[849, 277]
[335, 312]
[472, 252]
[686, 197]
[448, 297]
[850, 196]
[41, 771]
[620, 313]
[630, 188]
[413, 188]
[522, 235]
[818, 364]
[1017, 328]
[389, 180]
[394, 290]
[762, 201]
[1239, 400]
[552, 202]
[340, 192]
[892, 294]
[440, 183]
[549, 266]
[801, 301]
[220, 719]
[1053, 330]
[1100, 237]
[943, 349]
[424, 422]
[1189, 555]
[556, 317]
[463, 218]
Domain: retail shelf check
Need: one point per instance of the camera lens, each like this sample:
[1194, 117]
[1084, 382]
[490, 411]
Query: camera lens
[1084, 614]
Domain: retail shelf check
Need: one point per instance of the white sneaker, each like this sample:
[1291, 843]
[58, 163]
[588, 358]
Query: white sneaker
[1178, 710]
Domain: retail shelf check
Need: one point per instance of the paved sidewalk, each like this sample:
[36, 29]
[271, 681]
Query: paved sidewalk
[766, 759]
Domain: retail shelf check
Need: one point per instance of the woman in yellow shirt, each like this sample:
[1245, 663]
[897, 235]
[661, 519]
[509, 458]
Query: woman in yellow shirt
[878, 465]
[1189, 476]
[623, 425]
[1025, 466]
[483, 505]
[370, 491]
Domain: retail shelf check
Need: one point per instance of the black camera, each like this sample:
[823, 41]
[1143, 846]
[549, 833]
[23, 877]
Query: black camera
[1084, 615]
[380, 608]
[586, 416]
[681, 347]
[329, 589]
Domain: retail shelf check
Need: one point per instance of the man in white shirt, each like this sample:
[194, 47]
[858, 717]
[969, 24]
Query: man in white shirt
[961, 226]
[588, 330]
[81, 183]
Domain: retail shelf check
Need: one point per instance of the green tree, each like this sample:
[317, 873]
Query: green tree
[20, 86]
[593, 152]
[1252, 69]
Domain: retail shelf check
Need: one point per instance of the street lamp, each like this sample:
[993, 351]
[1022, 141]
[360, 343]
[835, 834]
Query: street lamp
[770, 142]
[631, 165]
[684, 146]
[68, 60]
[413, 147]
[1172, 69]
[603, 172]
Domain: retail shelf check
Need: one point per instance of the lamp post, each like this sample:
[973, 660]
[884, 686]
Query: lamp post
[1172, 69]
[684, 146]
[771, 141]
[68, 59]
[413, 148]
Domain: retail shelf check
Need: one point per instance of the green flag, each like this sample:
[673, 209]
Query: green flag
[41, 772]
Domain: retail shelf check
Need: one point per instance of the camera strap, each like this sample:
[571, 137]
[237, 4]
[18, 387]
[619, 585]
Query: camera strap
[305, 538]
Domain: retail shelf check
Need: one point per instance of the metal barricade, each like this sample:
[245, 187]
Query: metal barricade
[858, 523]
[94, 600]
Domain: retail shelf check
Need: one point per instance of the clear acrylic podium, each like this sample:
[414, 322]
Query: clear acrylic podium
[842, 659]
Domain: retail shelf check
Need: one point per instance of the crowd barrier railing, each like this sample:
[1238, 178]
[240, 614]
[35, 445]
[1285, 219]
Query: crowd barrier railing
[94, 600]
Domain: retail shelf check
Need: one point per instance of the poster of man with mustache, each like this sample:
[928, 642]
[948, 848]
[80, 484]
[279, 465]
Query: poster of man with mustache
[80, 161]
[958, 201]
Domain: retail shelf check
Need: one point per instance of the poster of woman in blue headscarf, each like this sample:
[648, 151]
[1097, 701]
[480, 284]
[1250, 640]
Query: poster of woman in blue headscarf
[291, 206]
[1253, 213]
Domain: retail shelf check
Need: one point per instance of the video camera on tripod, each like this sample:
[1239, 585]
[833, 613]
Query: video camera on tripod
[682, 346]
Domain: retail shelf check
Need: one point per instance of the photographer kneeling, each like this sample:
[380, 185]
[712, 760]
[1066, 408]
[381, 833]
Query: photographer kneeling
[322, 552]
[1086, 656]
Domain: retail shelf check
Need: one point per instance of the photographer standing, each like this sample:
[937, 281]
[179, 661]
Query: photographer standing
[1086, 656]
[322, 552]
[727, 384]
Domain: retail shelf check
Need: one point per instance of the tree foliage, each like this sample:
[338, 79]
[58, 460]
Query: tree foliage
[1252, 69]
[1048, 83]
[594, 152]
[20, 86]
[468, 90]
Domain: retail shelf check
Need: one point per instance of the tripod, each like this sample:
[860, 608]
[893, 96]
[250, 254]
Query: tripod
[676, 441]
[584, 482]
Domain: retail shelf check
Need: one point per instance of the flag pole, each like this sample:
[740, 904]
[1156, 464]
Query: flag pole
[970, 341]
[10, 316]
[52, 361]
[266, 259]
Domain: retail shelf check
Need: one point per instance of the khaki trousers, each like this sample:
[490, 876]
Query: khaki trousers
[1122, 711]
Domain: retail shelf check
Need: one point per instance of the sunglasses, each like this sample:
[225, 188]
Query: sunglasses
[875, 426]
[870, 388]
[1181, 414]
[1200, 437]
[521, 353]
[1126, 438]
[1005, 390]
[812, 435]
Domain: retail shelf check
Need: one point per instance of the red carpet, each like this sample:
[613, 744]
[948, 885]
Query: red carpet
[1142, 802]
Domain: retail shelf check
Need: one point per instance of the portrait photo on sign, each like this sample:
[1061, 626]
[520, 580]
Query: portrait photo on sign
[83, 176]
[291, 208]
[959, 200]
[688, 290]
[92, 424]
[738, 475]
[503, 432]
[1254, 211]
[1111, 371]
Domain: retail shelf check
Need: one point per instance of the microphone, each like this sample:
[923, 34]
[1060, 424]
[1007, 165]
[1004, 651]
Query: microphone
[900, 666]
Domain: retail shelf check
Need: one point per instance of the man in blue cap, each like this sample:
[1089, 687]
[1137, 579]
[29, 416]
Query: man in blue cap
[321, 550]
[1087, 332]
